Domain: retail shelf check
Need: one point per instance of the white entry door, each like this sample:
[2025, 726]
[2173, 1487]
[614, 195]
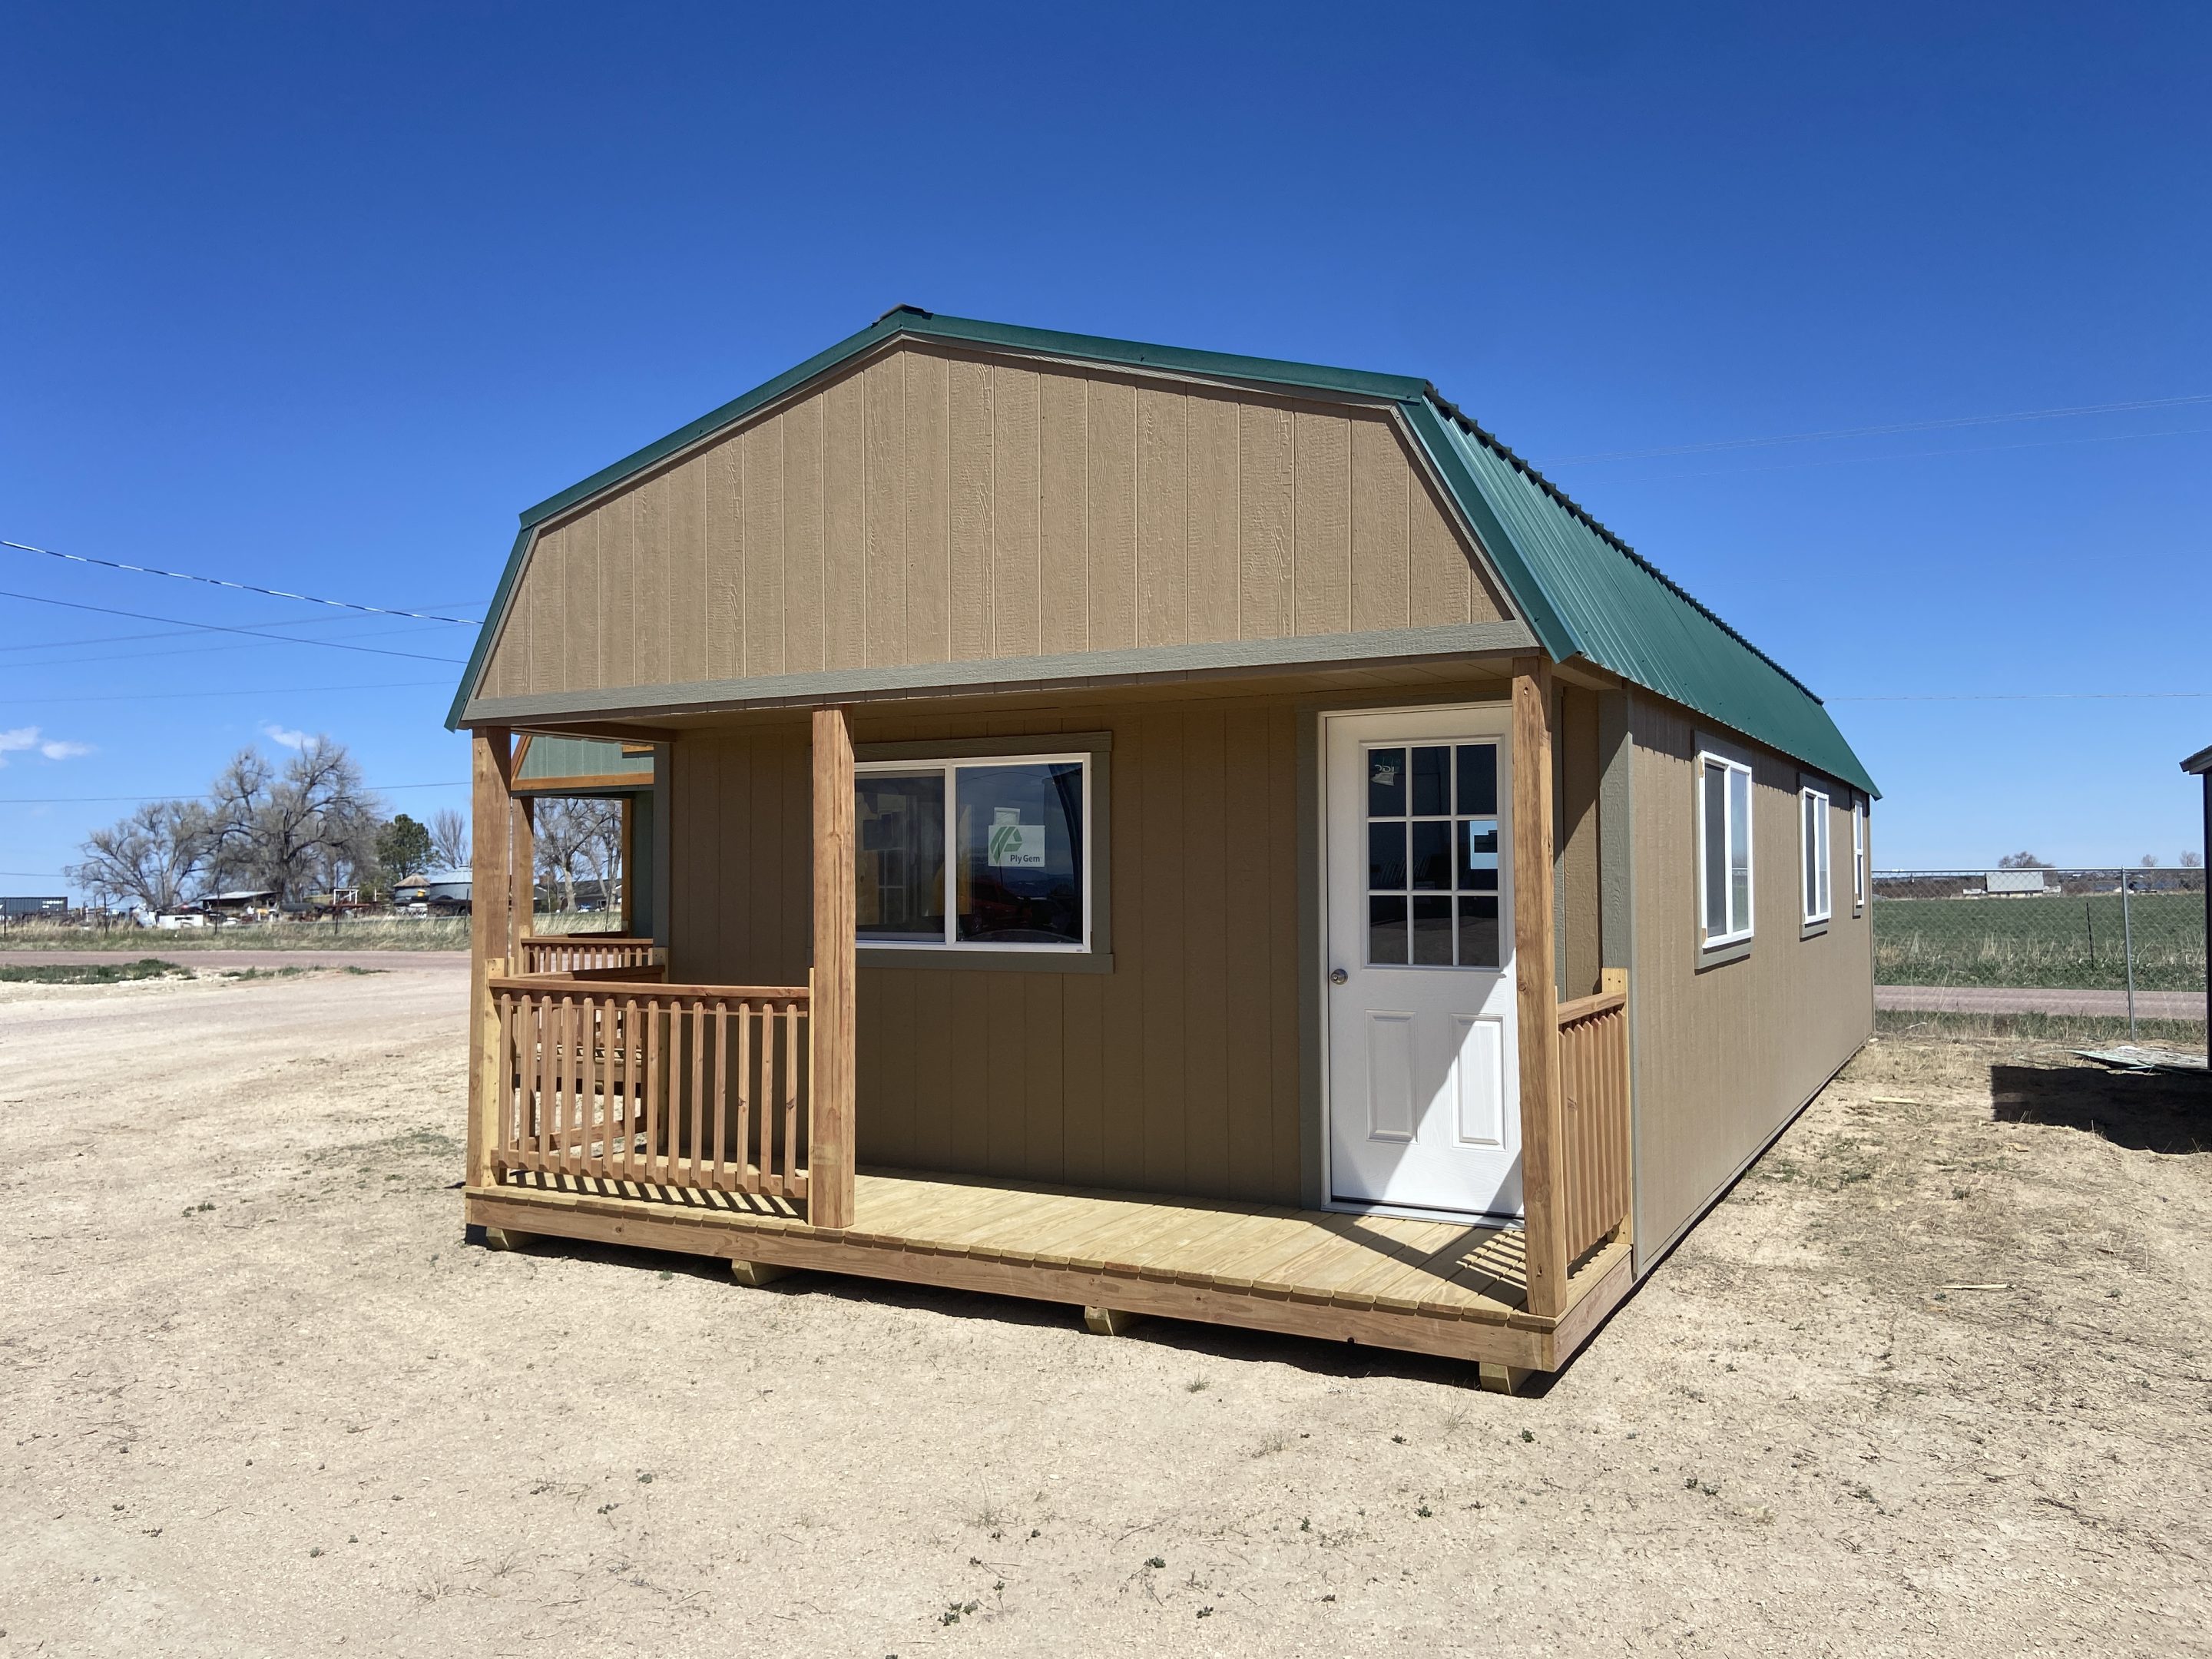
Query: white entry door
[1423, 1095]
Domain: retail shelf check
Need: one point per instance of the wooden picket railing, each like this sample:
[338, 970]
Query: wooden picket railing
[569, 953]
[1594, 1087]
[689, 1086]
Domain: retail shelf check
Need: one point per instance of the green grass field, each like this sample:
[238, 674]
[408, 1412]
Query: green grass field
[2071, 943]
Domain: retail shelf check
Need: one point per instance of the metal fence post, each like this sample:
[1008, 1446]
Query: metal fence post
[2128, 950]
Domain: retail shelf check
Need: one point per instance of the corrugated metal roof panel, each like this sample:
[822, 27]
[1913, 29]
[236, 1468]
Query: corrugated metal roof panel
[1623, 614]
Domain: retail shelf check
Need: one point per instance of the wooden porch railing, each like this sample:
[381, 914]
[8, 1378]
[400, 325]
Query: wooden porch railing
[569, 953]
[694, 1086]
[1594, 1087]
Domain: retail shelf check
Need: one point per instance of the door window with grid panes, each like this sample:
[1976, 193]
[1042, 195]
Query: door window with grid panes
[1433, 856]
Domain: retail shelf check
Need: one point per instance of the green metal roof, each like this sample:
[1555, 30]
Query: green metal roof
[1583, 592]
[581, 757]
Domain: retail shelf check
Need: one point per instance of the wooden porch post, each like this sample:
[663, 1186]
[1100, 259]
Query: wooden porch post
[491, 922]
[522, 872]
[1536, 989]
[628, 921]
[830, 1146]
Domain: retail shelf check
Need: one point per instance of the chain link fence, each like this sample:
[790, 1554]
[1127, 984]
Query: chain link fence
[2130, 941]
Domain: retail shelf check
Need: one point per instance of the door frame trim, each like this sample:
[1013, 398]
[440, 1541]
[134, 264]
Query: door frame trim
[1314, 1005]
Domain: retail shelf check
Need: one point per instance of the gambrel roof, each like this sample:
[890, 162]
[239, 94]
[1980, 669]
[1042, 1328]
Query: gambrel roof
[1584, 592]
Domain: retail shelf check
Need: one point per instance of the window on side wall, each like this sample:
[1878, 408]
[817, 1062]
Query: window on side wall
[1813, 854]
[980, 854]
[1723, 849]
[1858, 855]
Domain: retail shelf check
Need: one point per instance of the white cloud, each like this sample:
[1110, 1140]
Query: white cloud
[285, 735]
[19, 738]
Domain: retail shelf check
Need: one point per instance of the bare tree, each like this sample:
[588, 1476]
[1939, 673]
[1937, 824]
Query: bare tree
[562, 831]
[150, 856]
[2192, 860]
[280, 829]
[2021, 861]
[2150, 860]
[600, 852]
[449, 838]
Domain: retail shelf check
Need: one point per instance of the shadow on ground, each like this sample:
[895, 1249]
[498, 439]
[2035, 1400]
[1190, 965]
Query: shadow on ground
[2152, 1112]
[1346, 1359]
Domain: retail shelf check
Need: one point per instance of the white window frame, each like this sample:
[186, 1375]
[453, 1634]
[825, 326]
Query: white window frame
[1815, 866]
[1731, 764]
[1858, 855]
[949, 767]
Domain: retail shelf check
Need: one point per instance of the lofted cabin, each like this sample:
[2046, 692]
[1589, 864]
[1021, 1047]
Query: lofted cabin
[1156, 832]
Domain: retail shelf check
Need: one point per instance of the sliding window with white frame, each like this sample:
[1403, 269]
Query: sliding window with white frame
[1724, 887]
[989, 853]
[1813, 855]
[1858, 855]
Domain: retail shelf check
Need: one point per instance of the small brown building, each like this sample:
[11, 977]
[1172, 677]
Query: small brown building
[1159, 831]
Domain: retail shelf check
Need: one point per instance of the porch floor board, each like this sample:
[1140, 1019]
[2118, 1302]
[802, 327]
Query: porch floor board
[1429, 1286]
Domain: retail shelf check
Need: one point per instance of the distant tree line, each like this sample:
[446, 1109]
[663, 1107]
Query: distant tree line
[307, 825]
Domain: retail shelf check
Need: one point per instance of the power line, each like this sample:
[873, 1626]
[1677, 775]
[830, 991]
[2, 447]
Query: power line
[174, 633]
[219, 627]
[1952, 424]
[194, 794]
[244, 692]
[242, 587]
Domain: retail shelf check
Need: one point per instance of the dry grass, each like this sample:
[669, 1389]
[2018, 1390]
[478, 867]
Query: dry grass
[2063, 1030]
[363, 933]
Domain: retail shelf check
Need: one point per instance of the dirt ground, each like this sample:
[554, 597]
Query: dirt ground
[1932, 1380]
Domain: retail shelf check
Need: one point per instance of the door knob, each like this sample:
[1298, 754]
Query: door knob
[1337, 976]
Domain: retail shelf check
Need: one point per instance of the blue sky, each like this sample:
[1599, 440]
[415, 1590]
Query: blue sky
[319, 298]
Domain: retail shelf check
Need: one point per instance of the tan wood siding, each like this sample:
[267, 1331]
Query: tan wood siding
[932, 505]
[1177, 1072]
[1725, 1054]
[1576, 771]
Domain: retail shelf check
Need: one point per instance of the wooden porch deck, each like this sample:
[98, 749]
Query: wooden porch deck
[1422, 1286]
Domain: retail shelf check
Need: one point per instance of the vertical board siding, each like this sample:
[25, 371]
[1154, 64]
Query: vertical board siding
[651, 533]
[1266, 520]
[1323, 521]
[1113, 486]
[932, 505]
[1726, 1054]
[845, 524]
[1381, 527]
[1216, 497]
[1178, 1072]
[803, 530]
[1577, 769]
[928, 489]
[1015, 547]
[761, 550]
[723, 466]
[1163, 496]
[972, 573]
[885, 390]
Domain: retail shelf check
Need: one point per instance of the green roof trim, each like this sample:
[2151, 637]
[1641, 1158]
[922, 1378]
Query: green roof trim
[1584, 591]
